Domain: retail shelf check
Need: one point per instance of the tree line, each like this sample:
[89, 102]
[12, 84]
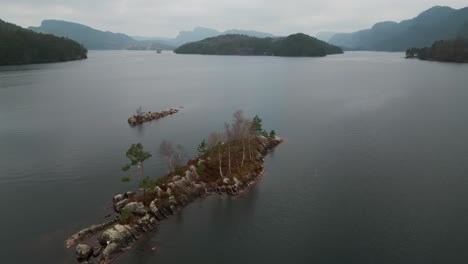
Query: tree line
[442, 50]
[233, 152]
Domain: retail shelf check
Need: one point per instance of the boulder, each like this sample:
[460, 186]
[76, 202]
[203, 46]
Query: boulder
[132, 121]
[83, 252]
[136, 208]
[129, 194]
[109, 251]
[119, 205]
[159, 191]
[118, 198]
[176, 178]
[97, 250]
[172, 200]
[226, 180]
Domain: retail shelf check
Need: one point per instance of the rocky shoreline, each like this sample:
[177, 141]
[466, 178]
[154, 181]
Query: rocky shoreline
[113, 237]
[139, 119]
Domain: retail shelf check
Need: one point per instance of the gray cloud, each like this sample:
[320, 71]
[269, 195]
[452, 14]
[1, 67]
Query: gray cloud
[168, 17]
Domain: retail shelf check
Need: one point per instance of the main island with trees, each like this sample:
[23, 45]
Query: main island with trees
[228, 163]
[296, 45]
[22, 46]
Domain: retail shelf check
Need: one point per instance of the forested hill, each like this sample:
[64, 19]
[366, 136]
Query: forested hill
[297, 45]
[22, 46]
[442, 50]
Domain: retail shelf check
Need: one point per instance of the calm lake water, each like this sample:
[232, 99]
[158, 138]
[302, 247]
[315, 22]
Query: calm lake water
[374, 168]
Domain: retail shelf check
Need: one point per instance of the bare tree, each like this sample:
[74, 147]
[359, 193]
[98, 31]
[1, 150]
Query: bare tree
[239, 131]
[229, 139]
[167, 150]
[215, 146]
[179, 155]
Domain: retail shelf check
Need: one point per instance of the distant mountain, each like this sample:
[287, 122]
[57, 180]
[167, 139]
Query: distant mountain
[325, 36]
[200, 33]
[93, 39]
[439, 22]
[22, 46]
[297, 45]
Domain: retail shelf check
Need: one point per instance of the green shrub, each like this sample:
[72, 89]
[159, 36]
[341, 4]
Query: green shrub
[200, 168]
[178, 171]
[125, 216]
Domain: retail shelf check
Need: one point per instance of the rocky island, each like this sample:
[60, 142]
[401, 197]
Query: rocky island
[141, 117]
[228, 163]
[296, 45]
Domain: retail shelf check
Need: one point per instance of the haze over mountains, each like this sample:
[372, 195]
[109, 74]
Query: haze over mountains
[103, 40]
[94, 39]
[436, 23]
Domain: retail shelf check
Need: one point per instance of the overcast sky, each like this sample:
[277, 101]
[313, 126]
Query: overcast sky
[166, 18]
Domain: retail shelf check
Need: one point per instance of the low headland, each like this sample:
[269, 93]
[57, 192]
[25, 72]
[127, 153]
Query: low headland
[442, 50]
[141, 117]
[22, 46]
[296, 45]
[228, 163]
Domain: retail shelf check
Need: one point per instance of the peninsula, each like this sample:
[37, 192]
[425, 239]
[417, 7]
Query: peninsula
[228, 163]
[297, 45]
[442, 50]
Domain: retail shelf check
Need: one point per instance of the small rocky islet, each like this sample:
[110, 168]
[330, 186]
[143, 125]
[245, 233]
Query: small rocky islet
[140, 118]
[224, 168]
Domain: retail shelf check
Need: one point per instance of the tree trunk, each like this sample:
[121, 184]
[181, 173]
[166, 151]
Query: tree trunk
[229, 156]
[142, 170]
[243, 153]
[250, 151]
[172, 167]
[220, 162]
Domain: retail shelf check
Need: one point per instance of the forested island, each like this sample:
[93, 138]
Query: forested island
[442, 50]
[297, 45]
[228, 163]
[22, 46]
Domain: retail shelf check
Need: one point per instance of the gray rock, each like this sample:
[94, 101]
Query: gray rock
[169, 191]
[119, 205]
[159, 191]
[176, 178]
[226, 180]
[125, 233]
[97, 250]
[136, 208]
[129, 194]
[190, 176]
[118, 198]
[110, 235]
[110, 250]
[172, 200]
[83, 252]
[153, 208]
